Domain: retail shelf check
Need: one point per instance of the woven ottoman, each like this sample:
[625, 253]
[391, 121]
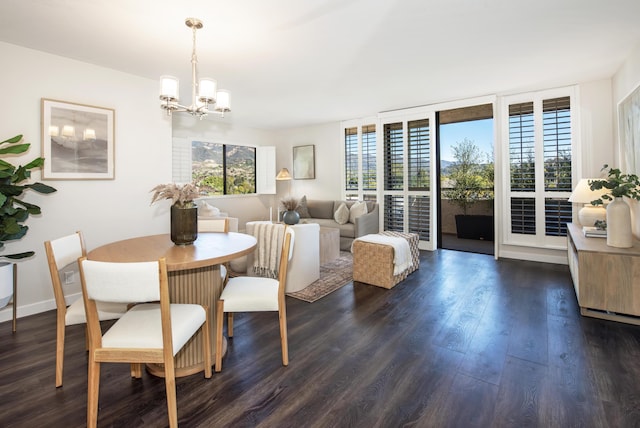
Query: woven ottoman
[373, 263]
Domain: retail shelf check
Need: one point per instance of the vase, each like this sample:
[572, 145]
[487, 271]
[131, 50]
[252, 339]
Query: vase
[184, 225]
[619, 224]
[291, 217]
[6, 283]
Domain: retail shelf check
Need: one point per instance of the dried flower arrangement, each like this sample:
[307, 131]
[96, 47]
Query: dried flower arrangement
[289, 203]
[180, 195]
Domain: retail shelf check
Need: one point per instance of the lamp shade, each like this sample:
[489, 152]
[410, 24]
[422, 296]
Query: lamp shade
[582, 194]
[283, 174]
[169, 88]
[223, 101]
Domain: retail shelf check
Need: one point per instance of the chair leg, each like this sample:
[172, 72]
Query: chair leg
[206, 345]
[93, 392]
[219, 321]
[230, 325]
[282, 314]
[136, 370]
[60, 330]
[170, 384]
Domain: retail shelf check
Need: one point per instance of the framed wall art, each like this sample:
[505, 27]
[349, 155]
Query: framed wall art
[304, 166]
[77, 141]
[629, 131]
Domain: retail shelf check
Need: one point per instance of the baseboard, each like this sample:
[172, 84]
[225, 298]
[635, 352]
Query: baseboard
[6, 314]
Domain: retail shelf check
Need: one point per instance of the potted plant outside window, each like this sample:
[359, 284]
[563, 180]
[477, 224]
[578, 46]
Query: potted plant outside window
[471, 179]
[14, 211]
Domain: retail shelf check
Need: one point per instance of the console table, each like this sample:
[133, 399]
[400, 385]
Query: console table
[606, 279]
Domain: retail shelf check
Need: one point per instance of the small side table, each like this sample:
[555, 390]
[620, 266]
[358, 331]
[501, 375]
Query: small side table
[329, 244]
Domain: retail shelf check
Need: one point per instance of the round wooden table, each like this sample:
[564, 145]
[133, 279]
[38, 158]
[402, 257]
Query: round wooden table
[194, 277]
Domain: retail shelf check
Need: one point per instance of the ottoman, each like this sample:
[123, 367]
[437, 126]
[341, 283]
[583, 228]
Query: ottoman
[373, 263]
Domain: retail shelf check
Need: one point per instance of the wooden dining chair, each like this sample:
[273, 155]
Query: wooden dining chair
[216, 225]
[256, 294]
[61, 253]
[147, 333]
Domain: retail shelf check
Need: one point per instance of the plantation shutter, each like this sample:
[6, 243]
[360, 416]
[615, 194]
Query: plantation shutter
[393, 156]
[351, 159]
[369, 158]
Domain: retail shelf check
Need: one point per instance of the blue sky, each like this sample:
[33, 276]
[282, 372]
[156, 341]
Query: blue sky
[478, 131]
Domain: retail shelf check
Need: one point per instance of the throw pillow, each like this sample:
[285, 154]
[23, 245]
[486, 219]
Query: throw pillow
[302, 208]
[356, 210]
[206, 210]
[342, 214]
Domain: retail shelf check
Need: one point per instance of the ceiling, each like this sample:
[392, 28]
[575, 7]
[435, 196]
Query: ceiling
[291, 63]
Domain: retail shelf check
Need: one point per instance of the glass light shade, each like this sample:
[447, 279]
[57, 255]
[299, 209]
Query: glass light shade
[169, 88]
[223, 101]
[54, 131]
[207, 90]
[283, 174]
[68, 131]
[89, 134]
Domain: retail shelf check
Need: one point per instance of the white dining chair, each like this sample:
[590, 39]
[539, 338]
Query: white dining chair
[256, 294]
[216, 225]
[61, 253]
[147, 333]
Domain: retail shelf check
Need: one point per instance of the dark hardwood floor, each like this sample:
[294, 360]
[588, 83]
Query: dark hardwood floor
[466, 341]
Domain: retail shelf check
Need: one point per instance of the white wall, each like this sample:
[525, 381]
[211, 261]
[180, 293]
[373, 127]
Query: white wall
[328, 161]
[625, 81]
[105, 210]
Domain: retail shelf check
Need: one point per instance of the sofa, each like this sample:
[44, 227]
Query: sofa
[323, 212]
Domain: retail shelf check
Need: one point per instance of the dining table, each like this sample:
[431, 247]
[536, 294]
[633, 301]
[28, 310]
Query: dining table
[194, 277]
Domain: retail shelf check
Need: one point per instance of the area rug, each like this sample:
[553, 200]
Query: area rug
[333, 275]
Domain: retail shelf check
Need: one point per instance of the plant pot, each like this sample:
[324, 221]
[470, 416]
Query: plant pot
[619, 224]
[6, 283]
[291, 217]
[184, 225]
[474, 227]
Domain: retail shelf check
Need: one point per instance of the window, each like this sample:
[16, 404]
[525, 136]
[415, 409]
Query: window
[540, 146]
[223, 169]
[360, 160]
[407, 176]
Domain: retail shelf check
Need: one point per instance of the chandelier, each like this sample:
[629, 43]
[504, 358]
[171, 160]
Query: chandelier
[204, 94]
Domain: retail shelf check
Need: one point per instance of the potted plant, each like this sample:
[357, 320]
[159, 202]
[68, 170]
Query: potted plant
[290, 216]
[619, 186]
[184, 212]
[14, 211]
[471, 182]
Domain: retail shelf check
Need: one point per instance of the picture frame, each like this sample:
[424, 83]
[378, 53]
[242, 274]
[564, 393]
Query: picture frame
[78, 141]
[304, 167]
[629, 131]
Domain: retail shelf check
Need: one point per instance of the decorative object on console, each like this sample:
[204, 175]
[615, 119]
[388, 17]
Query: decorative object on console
[184, 212]
[203, 94]
[618, 185]
[582, 194]
[290, 216]
[77, 141]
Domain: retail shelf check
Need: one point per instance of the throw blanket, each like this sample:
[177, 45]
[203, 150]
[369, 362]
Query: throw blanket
[266, 258]
[401, 251]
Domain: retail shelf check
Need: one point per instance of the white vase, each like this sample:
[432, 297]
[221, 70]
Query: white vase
[6, 283]
[619, 224]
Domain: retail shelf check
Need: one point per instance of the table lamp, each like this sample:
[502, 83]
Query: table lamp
[583, 194]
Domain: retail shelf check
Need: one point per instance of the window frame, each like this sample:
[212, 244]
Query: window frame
[540, 195]
[182, 164]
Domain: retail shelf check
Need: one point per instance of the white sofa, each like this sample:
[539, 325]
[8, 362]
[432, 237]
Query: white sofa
[304, 266]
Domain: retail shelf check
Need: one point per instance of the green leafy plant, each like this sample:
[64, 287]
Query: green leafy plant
[471, 175]
[618, 185]
[13, 210]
